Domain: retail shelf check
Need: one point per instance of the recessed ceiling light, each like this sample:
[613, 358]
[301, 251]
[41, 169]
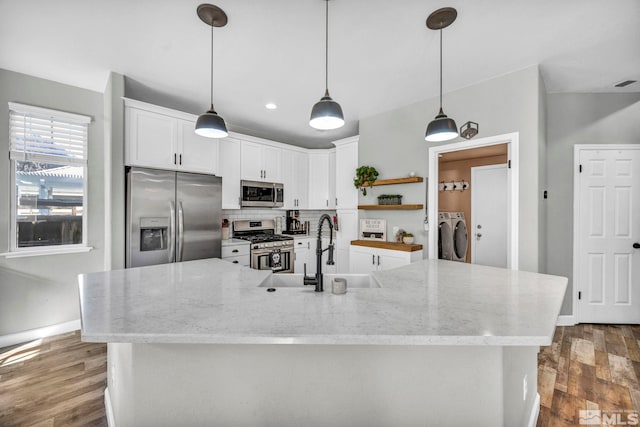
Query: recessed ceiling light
[271, 106]
[625, 83]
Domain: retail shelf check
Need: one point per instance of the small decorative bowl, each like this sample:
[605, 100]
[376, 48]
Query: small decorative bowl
[407, 239]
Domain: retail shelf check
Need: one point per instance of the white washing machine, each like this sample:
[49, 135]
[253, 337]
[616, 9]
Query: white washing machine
[445, 236]
[460, 236]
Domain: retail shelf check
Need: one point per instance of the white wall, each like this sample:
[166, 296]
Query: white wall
[393, 142]
[579, 118]
[42, 291]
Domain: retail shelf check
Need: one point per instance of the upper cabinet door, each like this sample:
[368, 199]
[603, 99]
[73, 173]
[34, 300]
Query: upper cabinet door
[196, 153]
[151, 139]
[295, 180]
[261, 162]
[251, 158]
[346, 165]
[230, 172]
[272, 164]
[319, 166]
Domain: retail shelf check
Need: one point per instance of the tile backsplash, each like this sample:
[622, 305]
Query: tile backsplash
[313, 216]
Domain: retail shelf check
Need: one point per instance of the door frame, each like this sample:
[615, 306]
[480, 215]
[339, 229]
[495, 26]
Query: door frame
[577, 148]
[513, 184]
[476, 169]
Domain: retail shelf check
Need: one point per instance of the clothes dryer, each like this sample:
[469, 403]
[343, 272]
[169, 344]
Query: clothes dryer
[460, 236]
[445, 236]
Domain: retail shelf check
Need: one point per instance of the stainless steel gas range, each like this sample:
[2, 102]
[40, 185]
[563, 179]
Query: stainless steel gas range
[269, 251]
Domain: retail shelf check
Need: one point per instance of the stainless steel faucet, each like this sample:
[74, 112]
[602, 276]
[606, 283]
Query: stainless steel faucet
[317, 279]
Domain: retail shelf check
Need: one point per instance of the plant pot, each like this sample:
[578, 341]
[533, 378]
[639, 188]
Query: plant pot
[407, 239]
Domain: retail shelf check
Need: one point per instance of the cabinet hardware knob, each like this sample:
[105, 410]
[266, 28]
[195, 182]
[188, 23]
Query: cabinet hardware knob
[235, 262]
[373, 259]
[636, 246]
[180, 158]
[174, 158]
[234, 251]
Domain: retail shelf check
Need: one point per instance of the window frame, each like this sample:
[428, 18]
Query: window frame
[14, 250]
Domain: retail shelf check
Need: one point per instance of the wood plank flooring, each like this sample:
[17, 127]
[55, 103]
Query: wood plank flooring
[55, 381]
[589, 367]
[60, 381]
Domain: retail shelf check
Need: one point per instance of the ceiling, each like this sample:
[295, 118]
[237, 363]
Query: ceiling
[381, 54]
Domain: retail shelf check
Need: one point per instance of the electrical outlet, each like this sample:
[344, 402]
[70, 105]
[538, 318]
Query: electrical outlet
[524, 388]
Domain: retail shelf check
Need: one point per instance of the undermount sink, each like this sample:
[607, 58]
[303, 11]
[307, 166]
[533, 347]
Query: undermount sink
[354, 281]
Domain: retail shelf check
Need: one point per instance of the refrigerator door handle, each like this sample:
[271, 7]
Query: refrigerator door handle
[172, 221]
[180, 235]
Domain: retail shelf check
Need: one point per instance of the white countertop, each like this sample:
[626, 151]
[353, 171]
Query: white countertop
[430, 302]
[232, 242]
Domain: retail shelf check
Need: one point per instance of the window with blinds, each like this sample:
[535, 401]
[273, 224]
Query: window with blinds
[48, 155]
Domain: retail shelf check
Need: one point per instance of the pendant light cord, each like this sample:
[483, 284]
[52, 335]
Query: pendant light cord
[212, 65]
[441, 69]
[326, 48]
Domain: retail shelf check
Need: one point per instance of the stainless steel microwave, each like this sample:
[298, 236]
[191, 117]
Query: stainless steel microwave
[261, 194]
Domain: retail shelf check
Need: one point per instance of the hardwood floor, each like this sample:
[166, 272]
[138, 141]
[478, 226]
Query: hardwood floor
[56, 381]
[60, 381]
[590, 367]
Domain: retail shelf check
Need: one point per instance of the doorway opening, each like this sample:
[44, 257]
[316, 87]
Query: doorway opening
[497, 149]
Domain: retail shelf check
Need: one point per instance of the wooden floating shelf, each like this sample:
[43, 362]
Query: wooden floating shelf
[408, 180]
[391, 207]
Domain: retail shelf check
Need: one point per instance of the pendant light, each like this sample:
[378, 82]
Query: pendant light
[210, 124]
[326, 113]
[442, 128]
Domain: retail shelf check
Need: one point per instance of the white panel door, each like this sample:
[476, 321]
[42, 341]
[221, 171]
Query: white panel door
[272, 164]
[346, 165]
[489, 215]
[608, 227]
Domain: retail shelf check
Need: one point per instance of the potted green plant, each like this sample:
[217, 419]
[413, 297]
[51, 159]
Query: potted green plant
[407, 238]
[365, 176]
[390, 199]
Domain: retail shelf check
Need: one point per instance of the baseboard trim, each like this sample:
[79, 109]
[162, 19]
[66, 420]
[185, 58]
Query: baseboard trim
[566, 320]
[34, 334]
[108, 408]
[535, 411]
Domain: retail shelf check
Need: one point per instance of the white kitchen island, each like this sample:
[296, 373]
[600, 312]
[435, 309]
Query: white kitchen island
[438, 343]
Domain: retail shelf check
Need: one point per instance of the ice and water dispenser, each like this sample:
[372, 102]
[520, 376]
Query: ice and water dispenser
[154, 233]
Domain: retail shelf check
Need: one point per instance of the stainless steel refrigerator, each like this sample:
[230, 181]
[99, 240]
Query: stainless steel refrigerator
[172, 217]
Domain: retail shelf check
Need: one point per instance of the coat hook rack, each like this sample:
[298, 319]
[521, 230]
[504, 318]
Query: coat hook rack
[453, 185]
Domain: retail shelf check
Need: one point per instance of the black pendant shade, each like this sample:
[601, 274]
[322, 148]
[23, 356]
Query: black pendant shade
[442, 128]
[210, 124]
[326, 114]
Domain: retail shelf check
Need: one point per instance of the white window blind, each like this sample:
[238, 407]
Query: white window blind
[43, 135]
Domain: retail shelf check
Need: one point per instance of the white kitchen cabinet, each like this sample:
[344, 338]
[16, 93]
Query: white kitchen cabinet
[305, 253]
[364, 260]
[236, 251]
[230, 172]
[347, 231]
[161, 138]
[346, 165]
[196, 153]
[332, 180]
[295, 179]
[261, 162]
[319, 170]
